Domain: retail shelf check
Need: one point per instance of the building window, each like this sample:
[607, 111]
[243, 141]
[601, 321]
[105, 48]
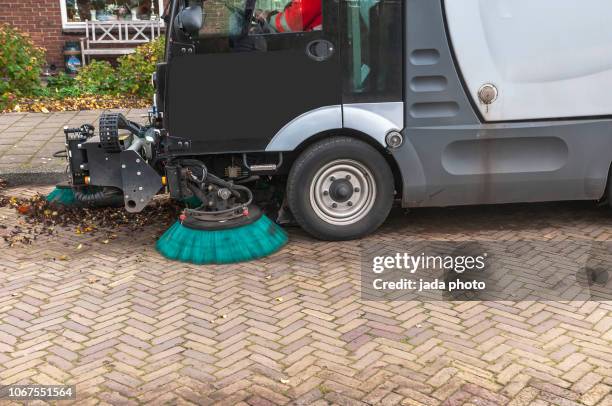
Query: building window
[76, 12]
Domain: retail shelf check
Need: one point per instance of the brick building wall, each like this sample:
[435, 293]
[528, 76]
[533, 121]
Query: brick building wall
[42, 20]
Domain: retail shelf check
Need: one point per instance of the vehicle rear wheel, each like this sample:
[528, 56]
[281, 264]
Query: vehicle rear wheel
[340, 188]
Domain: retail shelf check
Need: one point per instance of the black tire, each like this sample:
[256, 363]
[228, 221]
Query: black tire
[328, 152]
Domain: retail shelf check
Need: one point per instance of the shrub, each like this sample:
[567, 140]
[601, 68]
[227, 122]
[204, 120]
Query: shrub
[58, 87]
[20, 64]
[135, 70]
[98, 77]
[60, 80]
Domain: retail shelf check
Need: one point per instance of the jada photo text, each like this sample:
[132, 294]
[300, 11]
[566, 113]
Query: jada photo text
[485, 270]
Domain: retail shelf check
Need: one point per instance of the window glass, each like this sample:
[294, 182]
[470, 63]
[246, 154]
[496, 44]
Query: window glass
[226, 17]
[111, 10]
[372, 37]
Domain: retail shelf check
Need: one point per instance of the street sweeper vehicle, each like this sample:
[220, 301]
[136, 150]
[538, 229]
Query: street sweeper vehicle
[328, 111]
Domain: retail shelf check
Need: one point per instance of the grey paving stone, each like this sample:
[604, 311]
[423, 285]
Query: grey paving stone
[15, 159]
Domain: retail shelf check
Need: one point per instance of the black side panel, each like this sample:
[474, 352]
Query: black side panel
[434, 93]
[236, 102]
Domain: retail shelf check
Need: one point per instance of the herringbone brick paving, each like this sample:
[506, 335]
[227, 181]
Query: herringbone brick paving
[128, 327]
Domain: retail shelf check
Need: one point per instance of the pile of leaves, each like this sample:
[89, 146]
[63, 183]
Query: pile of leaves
[98, 85]
[76, 103]
[38, 217]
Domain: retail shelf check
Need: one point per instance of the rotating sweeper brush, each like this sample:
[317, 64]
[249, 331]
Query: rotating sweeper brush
[226, 227]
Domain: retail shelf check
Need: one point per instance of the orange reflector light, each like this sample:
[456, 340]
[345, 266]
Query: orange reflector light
[87, 180]
[164, 180]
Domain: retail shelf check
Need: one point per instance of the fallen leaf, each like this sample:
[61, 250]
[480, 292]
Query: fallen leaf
[44, 110]
[285, 381]
[105, 242]
[79, 246]
[63, 258]
[279, 299]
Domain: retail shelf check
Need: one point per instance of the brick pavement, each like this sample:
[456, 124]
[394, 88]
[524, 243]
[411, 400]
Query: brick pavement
[28, 140]
[128, 327]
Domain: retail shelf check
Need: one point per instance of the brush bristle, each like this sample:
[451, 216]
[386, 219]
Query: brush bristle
[64, 196]
[245, 243]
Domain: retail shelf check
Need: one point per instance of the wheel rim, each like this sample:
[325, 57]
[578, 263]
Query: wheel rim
[342, 192]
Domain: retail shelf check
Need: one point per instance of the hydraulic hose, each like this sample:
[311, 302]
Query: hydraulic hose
[220, 182]
[196, 163]
[104, 197]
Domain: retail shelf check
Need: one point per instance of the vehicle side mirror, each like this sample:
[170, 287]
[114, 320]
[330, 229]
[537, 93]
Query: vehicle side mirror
[190, 19]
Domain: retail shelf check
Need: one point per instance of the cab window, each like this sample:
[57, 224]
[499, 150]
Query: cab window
[372, 39]
[226, 18]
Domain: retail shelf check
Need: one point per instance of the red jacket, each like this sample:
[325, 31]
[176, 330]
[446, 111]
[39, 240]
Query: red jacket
[299, 15]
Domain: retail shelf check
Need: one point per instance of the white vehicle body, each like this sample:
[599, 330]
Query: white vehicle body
[547, 58]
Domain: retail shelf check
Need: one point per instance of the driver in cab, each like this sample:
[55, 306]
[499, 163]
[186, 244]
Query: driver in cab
[298, 15]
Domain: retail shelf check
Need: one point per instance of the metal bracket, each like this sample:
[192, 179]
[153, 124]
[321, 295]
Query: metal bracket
[180, 48]
[140, 181]
[263, 167]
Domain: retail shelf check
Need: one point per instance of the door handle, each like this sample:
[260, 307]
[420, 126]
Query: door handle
[320, 50]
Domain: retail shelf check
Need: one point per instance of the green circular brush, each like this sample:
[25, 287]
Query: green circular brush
[207, 242]
[62, 195]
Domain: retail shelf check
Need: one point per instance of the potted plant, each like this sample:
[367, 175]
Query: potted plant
[111, 10]
[122, 12]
